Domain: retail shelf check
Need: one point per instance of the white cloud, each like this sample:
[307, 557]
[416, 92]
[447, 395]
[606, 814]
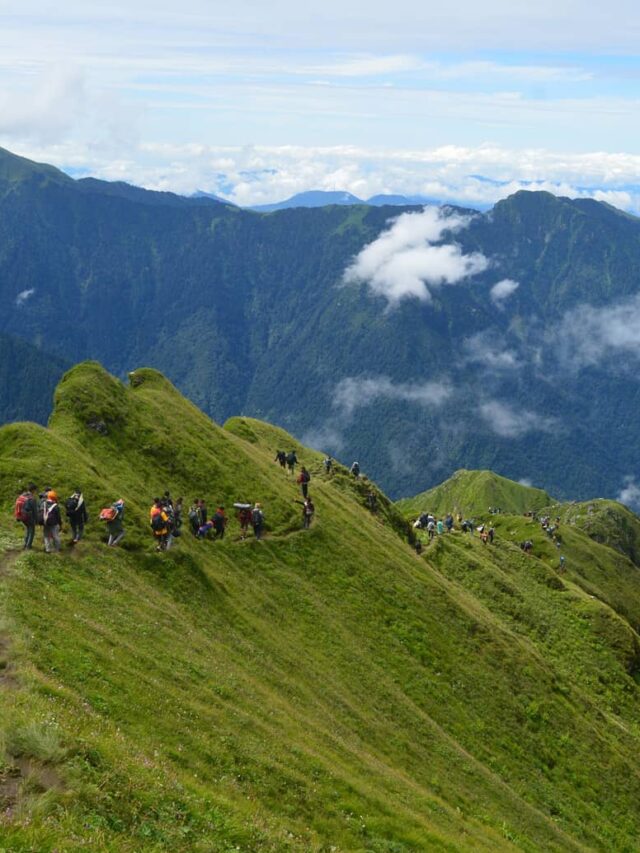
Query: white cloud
[402, 261]
[503, 290]
[353, 393]
[24, 295]
[525, 481]
[47, 109]
[630, 493]
[486, 349]
[588, 335]
[507, 422]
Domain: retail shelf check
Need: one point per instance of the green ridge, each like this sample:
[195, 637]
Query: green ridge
[473, 492]
[322, 690]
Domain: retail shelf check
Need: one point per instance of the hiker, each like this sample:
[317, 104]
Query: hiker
[292, 461]
[328, 464]
[219, 522]
[440, 527]
[418, 546]
[431, 530]
[308, 511]
[563, 560]
[159, 521]
[281, 458]
[244, 519]
[167, 500]
[52, 523]
[76, 510]
[448, 523]
[202, 510]
[257, 520]
[355, 470]
[194, 516]
[372, 501]
[491, 534]
[177, 516]
[204, 530]
[484, 537]
[115, 525]
[303, 481]
[26, 511]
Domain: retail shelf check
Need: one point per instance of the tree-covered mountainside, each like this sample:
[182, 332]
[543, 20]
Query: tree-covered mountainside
[527, 368]
[28, 377]
[323, 689]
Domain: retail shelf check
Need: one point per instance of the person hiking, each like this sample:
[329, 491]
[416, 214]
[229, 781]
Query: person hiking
[159, 521]
[372, 501]
[292, 461]
[328, 464]
[76, 510]
[303, 481]
[355, 470]
[244, 520]
[194, 516]
[52, 523]
[308, 511]
[418, 546]
[440, 527]
[204, 530]
[177, 514]
[448, 523]
[431, 530]
[257, 520]
[281, 458]
[115, 525]
[491, 534]
[202, 510]
[219, 522]
[26, 512]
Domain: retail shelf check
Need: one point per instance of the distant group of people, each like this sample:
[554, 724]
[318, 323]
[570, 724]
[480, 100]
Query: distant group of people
[428, 522]
[289, 461]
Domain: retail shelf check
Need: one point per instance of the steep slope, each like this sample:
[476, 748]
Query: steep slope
[325, 689]
[473, 492]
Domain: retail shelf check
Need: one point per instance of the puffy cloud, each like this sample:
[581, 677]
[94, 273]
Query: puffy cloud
[588, 335]
[503, 290]
[356, 392]
[402, 261]
[483, 348]
[24, 295]
[508, 422]
[630, 493]
[47, 109]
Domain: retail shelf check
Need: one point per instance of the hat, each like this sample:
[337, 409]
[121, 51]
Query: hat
[52, 496]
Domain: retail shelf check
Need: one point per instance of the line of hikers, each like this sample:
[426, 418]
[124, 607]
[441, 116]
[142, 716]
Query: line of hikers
[427, 521]
[43, 509]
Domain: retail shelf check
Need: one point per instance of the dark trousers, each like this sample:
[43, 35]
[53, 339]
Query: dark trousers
[305, 489]
[77, 530]
[29, 533]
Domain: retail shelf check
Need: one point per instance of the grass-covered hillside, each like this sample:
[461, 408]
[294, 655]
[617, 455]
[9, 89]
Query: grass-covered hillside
[472, 492]
[321, 690]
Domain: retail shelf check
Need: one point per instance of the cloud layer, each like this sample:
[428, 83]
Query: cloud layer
[354, 392]
[403, 261]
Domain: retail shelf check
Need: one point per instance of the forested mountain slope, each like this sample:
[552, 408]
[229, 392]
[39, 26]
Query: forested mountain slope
[249, 313]
[322, 689]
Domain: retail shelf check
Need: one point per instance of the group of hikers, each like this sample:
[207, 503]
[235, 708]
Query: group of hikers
[427, 521]
[43, 509]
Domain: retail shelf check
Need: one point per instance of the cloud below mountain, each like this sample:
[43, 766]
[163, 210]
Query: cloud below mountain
[503, 290]
[354, 393]
[589, 336]
[507, 422]
[403, 261]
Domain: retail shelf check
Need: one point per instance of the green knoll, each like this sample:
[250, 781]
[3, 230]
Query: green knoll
[322, 690]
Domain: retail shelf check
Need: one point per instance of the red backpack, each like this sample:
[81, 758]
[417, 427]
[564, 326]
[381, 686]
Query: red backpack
[20, 512]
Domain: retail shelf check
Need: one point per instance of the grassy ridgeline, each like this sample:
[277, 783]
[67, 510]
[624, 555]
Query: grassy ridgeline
[321, 690]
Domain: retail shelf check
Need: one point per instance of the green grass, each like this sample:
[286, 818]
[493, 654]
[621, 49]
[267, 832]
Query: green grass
[321, 690]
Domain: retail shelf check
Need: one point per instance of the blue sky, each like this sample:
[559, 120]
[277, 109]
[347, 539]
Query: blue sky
[259, 101]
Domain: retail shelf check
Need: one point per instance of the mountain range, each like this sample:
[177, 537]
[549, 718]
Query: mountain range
[518, 354]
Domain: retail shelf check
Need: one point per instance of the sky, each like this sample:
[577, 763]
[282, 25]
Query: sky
[256, 101]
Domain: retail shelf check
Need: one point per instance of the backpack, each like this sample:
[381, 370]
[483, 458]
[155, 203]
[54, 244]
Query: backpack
[257, 516]
[109, 513]
[157, 521]
[21, 512]
[71, 504]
